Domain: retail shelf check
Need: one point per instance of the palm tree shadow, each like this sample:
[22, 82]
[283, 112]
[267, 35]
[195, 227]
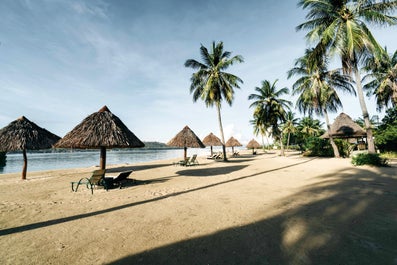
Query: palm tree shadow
[208, 172]
[38, 225]
[134, 168]
[353, 224]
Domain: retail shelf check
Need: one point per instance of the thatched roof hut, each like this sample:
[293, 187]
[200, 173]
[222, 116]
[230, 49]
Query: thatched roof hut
[232, 142]
[101, 130]
[252, 145]
[345, 127]
[212, 140]
[22, 134]
[186, 138]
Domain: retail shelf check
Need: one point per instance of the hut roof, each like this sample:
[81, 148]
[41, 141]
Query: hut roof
[100, 129]
[233, 142]
[212, 140]
[253, 144]
[345, 127]
[24, 134]
[186, 138]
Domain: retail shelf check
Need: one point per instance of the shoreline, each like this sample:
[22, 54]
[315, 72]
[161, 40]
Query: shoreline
[252, 209]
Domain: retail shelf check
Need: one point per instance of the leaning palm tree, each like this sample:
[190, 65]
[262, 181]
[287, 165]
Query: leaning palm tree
[340, 25]
[383, 76]
[211, 83]
[270, 107]
[317, 86]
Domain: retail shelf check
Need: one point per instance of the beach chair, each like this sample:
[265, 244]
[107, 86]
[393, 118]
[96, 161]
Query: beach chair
[119, 180]
[182, 162]
[193, 161]
[214, 156]
[97, 179]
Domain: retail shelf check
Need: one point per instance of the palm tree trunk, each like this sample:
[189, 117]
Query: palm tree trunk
[281, 145]
[218, 108]
[370, 139]
[25, 164]
[289, 134]
[331, 139]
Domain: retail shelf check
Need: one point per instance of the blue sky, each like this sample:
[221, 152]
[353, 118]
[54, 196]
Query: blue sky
[61, 60]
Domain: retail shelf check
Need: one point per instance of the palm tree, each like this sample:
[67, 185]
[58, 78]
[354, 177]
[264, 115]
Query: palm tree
[340, 25]
[317, 86]
[384, 79]
[270, 108]
[260, 128]
[211, 83]
[290, 125]
[309, 127]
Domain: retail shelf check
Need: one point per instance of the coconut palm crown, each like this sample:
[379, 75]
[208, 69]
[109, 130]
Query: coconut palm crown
[383, 76]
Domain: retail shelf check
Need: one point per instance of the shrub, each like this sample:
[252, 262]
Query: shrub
[369, 159]
[318, 147]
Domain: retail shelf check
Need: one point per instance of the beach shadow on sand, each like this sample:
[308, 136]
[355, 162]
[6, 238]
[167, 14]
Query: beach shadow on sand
[355, 224]
[38, 225]
[134, 168]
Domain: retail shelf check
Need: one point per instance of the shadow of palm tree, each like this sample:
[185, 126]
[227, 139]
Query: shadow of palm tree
[208, 172]
[38, 225]
[350, 219]
[134, 168]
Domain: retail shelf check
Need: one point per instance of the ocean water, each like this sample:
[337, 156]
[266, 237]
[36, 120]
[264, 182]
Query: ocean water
[53, 159]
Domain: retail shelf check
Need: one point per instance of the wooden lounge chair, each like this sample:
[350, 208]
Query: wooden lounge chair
[193, 161]
[213, 156]
[97, 179]
[182, 162]
[119, 180]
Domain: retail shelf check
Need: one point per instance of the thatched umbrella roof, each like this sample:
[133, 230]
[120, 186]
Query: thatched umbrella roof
[232, 142]
[345, 127]
[212, 140]
[102, 130]
[253, 144]
[186, 138]
[22, 134]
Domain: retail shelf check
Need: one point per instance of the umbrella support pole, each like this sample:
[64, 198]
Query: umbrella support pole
[25, 164]
[103, 157]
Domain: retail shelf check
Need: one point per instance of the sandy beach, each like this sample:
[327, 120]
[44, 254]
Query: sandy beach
[261, 209]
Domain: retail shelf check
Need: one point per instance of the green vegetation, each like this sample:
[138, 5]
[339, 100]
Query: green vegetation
[369, 159]
[154, 145]
[386, 133]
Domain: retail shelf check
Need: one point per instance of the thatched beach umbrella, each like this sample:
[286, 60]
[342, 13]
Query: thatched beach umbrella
[232, 142]
[212, 140]
[22, 134]
[101, 130]
[186, 138]
[252, 145]
[345, 127]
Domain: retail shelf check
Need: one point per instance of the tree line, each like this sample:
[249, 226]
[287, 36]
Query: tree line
[335, 29]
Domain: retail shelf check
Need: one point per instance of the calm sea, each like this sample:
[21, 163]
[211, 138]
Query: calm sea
[38, 161]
